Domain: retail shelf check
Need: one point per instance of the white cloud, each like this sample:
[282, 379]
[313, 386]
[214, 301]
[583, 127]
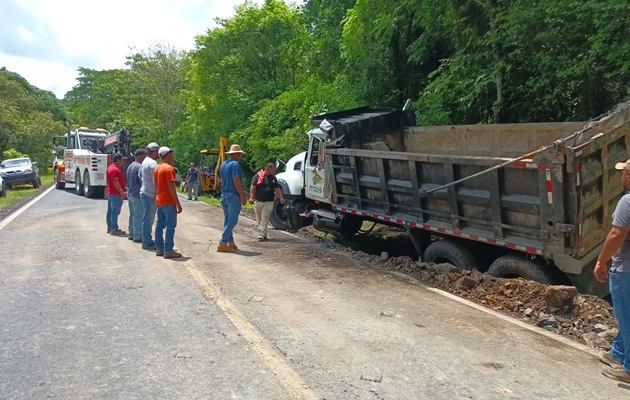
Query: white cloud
[49, 40]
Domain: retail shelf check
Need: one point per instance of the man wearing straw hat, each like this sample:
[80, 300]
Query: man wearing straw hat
[232, 197]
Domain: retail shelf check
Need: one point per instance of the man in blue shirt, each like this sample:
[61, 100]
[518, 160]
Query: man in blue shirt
[193, 183]
[617, 248]
[232, 197]
[134, 183]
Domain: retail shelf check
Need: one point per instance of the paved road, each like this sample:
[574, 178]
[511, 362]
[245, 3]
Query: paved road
[85, 315]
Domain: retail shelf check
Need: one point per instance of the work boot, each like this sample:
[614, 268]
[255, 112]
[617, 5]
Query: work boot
[617, 373]
[606, 358]
[108, 231]
[117, 232]
[232, 245]
[149, 247]
[172, 254]
[261, 238]
[159, 253]
[138, 240]
[224, 248]
[130, 238]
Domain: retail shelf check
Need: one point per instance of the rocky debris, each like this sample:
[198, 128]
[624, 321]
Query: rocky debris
[384, 256]
[559, 309]
[560, 296]
[593, 340]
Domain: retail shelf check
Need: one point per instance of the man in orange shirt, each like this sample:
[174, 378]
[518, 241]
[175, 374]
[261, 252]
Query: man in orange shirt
[167, 204]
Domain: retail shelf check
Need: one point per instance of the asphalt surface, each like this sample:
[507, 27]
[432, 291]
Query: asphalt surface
[84, 315]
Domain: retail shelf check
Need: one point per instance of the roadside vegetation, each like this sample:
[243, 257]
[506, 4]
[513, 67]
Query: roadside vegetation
[20, 192]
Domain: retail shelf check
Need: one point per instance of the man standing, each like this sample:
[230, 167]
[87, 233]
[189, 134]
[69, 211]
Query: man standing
[133, 196]
[617, 248]
[192, 177]
[115, 190]
[147, 195]
[232, 197]
[262, 192]
[167, 203]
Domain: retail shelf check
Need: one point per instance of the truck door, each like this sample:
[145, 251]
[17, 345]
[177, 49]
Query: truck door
[314, 171]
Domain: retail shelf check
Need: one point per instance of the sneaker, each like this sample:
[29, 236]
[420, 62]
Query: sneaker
[159, 253]
[118, 232]
[137, 240]
[261, 238]
[172, 254]
[130, 238]
[149, 247]
[232, 245]
[617, 373]
[224, 248]
[606, 358]
[189, 199]
[108, 231]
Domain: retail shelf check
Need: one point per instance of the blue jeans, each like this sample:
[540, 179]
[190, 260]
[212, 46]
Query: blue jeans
[114, 205]
[231, 209]
[619, 285]
[135, 217]
[193, 185]
[148, 216]
[167, 218]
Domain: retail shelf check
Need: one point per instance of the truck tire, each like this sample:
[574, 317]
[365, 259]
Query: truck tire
[78, 187]
[452, 252]
[278, 217]
[58, 185]
[89, 191]
[514, 266]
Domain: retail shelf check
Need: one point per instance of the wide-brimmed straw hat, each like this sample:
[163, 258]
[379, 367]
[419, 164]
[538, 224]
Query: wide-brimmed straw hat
[235, 148]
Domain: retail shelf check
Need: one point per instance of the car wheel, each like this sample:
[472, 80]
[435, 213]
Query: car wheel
[36, 183]
[3, 190]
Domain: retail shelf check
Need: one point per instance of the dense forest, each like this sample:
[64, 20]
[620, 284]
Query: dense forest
[259, 76]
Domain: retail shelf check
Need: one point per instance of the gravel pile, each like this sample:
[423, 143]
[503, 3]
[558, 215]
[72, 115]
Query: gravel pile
[559, 309]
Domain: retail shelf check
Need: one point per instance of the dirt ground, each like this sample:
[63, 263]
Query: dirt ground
[584, 318]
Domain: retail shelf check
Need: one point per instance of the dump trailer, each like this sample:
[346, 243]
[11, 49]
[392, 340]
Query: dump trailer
[530, 200]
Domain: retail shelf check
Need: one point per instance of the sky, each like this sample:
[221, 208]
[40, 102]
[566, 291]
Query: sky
[45, 41]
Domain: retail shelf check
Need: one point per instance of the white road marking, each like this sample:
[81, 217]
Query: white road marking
[17, 213]
[291, 380]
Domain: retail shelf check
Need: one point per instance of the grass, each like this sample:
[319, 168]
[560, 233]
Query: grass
[17, 193]
[215, 201]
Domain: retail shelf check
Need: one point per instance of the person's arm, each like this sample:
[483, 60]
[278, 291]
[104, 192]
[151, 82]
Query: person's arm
[279, 194]
[119, 188]
[173, 191]
[239, 188]
[252, 194]
[613, 242]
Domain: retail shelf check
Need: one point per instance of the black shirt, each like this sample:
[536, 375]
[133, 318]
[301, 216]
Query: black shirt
[266, 190]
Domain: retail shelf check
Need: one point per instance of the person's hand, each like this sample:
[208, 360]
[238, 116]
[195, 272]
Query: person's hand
[179, 208]
[281, 200]
[123, 195]
[601, 272]
[243, 200]
[251, 201]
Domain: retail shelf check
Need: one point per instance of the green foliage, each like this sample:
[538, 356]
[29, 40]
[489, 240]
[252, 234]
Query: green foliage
[12, 153]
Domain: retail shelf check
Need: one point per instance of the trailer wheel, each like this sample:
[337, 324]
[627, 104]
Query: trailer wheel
[58, 185]
[278, 217]
[513, 266]
[451, 252]
[89, 191]
[78, 187]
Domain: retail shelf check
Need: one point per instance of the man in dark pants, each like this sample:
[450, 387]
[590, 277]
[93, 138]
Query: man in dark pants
[617, 248]
[263, 191]
[115, 190]
[134, 183]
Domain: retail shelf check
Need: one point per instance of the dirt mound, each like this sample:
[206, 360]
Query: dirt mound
[558, 309]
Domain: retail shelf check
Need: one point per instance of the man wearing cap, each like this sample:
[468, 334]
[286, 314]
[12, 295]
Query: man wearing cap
[192, 176]
[147, 195]
[115, 190]
[232, 197]
[617, 248]
[167, 203]
[133, 196]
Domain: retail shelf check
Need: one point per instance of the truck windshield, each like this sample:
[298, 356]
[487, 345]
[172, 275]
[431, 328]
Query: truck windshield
[20, 162]
[87, 141]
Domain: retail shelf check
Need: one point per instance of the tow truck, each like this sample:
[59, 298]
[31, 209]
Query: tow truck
[83, 157]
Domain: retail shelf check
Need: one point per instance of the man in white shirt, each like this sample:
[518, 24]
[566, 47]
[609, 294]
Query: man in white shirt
[147, 195]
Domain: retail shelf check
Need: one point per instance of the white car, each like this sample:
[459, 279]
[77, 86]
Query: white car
[3, 187]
